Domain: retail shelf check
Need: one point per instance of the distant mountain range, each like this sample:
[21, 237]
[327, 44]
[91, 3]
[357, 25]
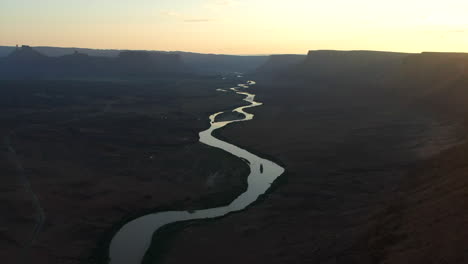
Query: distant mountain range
[57, 52]
[196, 62]
[325, 66]
[28, 63]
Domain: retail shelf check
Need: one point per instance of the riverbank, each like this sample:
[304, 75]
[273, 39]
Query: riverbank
[97, 152]
[345, 159]
[139, 231]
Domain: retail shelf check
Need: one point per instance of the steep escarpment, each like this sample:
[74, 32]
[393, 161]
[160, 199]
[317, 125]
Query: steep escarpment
[438, 81]
[435, 69]
[371, 176]
[426, 221]
[358, 66]
[277, 64]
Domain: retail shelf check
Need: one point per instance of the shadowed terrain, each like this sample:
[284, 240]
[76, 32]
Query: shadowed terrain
[28, 63]
[206, 64]
[95, 153]
[372, 172]
[373, 144]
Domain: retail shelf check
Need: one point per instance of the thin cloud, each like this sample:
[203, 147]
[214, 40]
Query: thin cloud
[199, 20]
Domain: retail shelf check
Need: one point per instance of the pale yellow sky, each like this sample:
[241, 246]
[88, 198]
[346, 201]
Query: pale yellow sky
[238, 26]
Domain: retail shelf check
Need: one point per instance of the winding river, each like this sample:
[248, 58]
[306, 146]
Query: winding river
[131, 242]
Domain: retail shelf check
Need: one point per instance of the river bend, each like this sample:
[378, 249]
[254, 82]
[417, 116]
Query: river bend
[131, 242]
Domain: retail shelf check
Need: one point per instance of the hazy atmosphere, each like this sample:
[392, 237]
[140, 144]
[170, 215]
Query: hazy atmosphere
[233, 131]
[238, 26]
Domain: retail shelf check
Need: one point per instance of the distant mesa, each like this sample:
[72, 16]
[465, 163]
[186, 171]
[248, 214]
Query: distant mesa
[436, 64]
[351, 64]
[409, 73]
[204, 64]
[360, 67]
[437, 75]
[28, 63]
[332, 65]
[25, 53]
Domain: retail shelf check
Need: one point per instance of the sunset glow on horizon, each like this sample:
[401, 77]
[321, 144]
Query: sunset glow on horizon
[238, 26]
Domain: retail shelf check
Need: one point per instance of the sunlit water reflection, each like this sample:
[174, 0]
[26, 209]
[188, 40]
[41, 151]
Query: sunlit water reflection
[131, 242]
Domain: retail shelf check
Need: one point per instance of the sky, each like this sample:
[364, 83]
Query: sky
[238, 26]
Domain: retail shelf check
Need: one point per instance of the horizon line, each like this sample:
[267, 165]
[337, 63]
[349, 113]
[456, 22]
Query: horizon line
[228, 54]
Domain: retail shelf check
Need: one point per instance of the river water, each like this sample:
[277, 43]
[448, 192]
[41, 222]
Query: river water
[131, 242]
